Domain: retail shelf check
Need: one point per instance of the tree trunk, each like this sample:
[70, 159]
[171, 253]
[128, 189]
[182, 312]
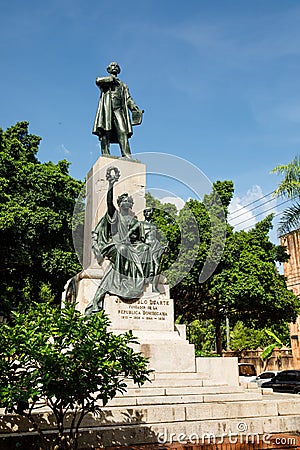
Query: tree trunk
[218, 336]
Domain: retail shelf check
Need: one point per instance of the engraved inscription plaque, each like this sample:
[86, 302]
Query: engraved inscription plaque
[147, 314]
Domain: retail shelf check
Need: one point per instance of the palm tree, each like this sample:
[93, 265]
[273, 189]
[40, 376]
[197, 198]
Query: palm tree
[289, 188]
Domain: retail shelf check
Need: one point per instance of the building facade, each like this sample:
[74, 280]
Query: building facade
[292, 273]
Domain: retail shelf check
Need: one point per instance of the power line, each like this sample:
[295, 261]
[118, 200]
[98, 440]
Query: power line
[251, 226]
[251, 203]
[250, 210]
[246, 206]
[259, 214]
[270, 209]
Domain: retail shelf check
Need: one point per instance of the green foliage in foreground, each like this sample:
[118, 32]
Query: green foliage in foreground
[70, 362]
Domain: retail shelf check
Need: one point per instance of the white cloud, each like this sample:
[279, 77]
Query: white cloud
[246, 211]
[177, 201]
[239, 215]
[65, 150]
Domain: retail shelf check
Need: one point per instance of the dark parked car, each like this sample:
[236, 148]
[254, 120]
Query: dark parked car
[285, 381]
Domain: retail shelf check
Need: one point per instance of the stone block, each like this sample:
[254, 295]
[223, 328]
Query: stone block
[168, 356]
[179, 376]
[164, 413]
[87, 283]
[220, 369]
[143, 391]
[289, 407]
[132, 181]
[152, 312]
[170, 400]
[281, 424]
[232, 397]
[180, 382]
[216, 390]
[122, 401]
[149, 414]
[210, 382]
[230, 410]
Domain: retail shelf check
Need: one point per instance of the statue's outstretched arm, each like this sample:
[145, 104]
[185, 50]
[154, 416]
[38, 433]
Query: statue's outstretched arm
[112, 175]
[104, 81]
[110, 200]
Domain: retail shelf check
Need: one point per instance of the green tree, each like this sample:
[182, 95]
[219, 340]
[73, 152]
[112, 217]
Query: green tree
[201, 333]
[69, 362]
[245, 286]
[289, 188]
[165, 215]
[36, 207]
[245, 338]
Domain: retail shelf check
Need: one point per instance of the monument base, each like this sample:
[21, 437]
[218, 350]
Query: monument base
[82, 288]
[151, 320]
[151, 317]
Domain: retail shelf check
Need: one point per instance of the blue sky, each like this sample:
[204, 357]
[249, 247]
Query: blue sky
[219, 81]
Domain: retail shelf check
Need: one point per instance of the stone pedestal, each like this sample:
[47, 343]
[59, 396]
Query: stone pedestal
[152, 312]
[150, 318]
[132, 181]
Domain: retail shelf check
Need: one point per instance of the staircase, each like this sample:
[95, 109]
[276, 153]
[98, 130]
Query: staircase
[192, 408]
[182, 388]
[188, 408]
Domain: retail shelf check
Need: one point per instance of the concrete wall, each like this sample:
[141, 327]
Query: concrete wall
[281, 359]
[220, 369]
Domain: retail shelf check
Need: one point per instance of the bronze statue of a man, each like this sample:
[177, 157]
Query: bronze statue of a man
[112, 122]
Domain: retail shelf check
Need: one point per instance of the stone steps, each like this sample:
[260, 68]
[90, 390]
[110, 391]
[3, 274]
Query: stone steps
[242, 419]
[258, 431]
[180, 376]
[165, 380]
[181, 388]
[185, 399]
[277, 407]
[168, 411]
[164, 383]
